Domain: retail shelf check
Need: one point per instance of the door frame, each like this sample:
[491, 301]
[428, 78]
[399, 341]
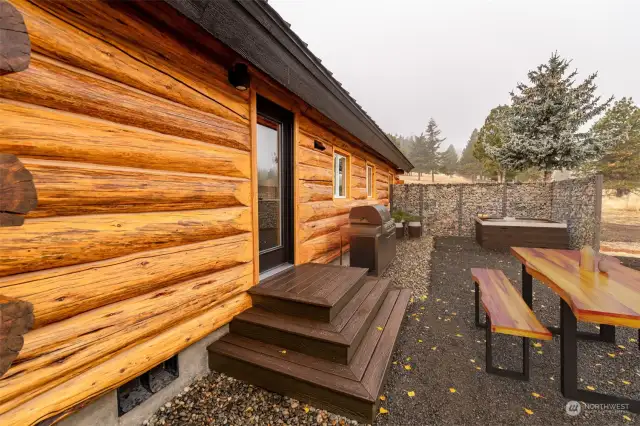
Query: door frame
[270, 110]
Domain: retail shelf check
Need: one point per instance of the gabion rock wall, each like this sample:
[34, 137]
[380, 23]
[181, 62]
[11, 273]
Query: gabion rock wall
[450, 210]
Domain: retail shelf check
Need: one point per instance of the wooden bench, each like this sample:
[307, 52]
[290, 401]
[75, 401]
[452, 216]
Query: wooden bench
[506, 313]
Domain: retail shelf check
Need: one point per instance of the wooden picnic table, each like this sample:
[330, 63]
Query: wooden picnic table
[609, 299]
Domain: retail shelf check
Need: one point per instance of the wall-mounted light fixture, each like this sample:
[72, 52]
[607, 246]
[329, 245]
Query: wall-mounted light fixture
[319, 145]
[239, 76]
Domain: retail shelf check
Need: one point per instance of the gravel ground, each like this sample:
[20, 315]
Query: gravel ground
[412, 265]
[221, 400]
[446, 352]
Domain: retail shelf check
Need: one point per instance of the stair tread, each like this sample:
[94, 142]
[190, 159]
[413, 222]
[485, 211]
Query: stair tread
[362, 378]
[314, 284]
[342, 330]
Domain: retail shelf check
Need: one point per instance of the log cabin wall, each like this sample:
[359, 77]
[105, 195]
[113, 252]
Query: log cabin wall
[141, 153]
[320, 215]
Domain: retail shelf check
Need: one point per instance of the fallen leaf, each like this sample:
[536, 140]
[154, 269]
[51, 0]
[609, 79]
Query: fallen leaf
[626, 382]
[452, 390]
[407, 367]
[433, 348]
[539, 352]
[453, 313]
[612, 355]
[306, 409]
[591, 388]
[632, 340]
[627, 418]
[383, 410]
[382, 397]
[283, 352]
[458, 335]
[379, 328]
[529, 412]
[472, 360]
[536, 395]
[395, 362]
[621, 347]
[537, 345]
[437, 300]
[417, 319]
[610, 382]
[423, 298]
[551, 378]
[422, 308]
[408, 358]
[419, 340]
[411, 394]
[411, 300]
[478, 368]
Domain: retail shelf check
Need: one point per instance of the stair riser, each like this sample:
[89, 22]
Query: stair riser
[334, 402]
[306, 310]
[318, 348]
[322, 349]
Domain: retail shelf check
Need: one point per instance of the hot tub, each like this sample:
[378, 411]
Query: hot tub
[502, 233]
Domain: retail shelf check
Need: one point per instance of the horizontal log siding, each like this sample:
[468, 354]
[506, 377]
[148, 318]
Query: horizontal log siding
[320, 216]
[141, 243]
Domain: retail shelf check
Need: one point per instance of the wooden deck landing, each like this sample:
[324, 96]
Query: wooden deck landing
[337, 362]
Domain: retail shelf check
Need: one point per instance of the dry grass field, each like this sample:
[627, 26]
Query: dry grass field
[439, 178]
[620, 232]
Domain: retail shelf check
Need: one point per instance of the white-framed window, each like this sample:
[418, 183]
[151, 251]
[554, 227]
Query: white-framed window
[370, 181]
[340, 170]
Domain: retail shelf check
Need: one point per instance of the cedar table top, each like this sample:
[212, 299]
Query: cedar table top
[507, 310]
[605, 298]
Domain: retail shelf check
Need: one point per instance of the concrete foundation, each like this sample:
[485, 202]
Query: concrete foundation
[192, 364]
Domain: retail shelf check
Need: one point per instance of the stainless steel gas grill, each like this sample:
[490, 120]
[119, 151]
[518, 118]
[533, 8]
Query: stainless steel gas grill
[372, 237]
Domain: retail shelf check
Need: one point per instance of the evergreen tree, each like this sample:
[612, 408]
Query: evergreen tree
[469, 166]
[432, 142]
[546, 118]
[449, 161]
[620, 165]
[494, 134]
[420, 155]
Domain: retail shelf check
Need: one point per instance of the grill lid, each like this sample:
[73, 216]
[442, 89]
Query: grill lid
[370, 215]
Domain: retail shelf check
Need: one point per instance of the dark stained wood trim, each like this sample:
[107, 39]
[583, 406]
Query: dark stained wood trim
[15, 46]
[17, 191]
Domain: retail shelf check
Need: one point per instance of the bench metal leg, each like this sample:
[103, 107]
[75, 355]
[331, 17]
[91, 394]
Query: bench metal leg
[477, 306]
[524, 375]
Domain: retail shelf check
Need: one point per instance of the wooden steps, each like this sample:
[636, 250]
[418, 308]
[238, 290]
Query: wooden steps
[313, 291]
[337, 357]
[351, 390]
[334, 341]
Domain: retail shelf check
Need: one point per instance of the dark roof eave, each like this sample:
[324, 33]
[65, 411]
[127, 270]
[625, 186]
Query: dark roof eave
[257, 32]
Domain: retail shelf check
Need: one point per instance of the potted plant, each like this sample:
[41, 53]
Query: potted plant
[398, 218]
[415, 226]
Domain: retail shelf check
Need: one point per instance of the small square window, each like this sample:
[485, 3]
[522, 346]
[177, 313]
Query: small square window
[370, 181]
[340, 170]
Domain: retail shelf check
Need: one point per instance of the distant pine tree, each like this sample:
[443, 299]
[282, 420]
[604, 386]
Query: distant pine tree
[546, 119]
[432, 161]
[494, 133]
[469, 166]
[449, 161]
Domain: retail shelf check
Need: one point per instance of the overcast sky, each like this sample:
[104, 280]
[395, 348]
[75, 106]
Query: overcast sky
[454, 60]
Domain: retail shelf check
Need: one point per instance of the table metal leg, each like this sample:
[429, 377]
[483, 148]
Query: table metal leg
[477, 308]
[527, 287]
[569, 366]
[607, 332]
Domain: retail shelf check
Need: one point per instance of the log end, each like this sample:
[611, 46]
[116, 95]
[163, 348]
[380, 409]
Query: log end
[15, 46]
[17, 191]
[16, 318]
